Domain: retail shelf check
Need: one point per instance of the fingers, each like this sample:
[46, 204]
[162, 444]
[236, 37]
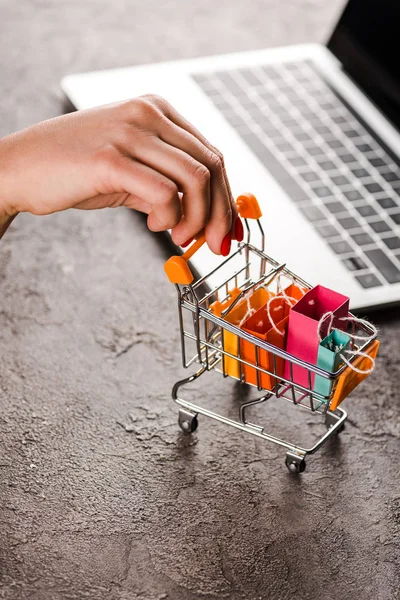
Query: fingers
[191, 177]
[220, 218]
[217, 159]
[177, 132]
[149, 191]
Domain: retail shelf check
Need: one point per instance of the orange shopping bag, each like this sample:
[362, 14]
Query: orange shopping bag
[260, 297]
[350, 378]
[269, 324]
[265, 358]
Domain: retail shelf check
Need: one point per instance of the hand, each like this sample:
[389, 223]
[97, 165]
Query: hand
[140, 153]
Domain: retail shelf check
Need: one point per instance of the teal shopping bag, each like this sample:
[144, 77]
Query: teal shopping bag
[330, 353]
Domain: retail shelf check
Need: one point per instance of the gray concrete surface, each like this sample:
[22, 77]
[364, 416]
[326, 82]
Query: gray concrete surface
[100, 495]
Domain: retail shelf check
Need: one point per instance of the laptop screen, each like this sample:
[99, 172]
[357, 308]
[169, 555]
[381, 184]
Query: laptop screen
[367, 43]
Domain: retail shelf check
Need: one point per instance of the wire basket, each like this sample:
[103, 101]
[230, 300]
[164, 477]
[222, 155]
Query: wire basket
[211, 339]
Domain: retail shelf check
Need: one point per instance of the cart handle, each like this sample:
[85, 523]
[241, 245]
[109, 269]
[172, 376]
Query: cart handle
[177, 268]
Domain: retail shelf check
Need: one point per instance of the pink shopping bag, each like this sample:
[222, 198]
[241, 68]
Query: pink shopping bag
[302, 337]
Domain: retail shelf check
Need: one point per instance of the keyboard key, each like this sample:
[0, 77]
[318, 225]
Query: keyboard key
[386, 202]
[313, 213]
[353, 133]
[315, 151]
[270, 130]
[340, 180]
[396, 218]
[339, 119]
[322, 129]
[306, 112]
[373, 188]
[335, 207]
[396, 187]
[270, 72]
[354, 263]
[340, 247]
[234, 119]
[392, 242]
[379, 226]
[255, 143]
[293, 67]
[328, 105]
[296, 161]
[230, 83]
[322, 192]
[348, 222]
[390, 176]
[362, 239]
[335, 144]
[207, 85]
[222, 103]
[302, 136]
[281, 111]
[310, 176]
[368, 280]
[366, 210]
[256, 113]
[348, 158]
[250, 76]
[326, 230]
[284, 147]
[353, 195]
[326, 165]
[364, 148]
[359, 172]
[384, 265]
[377, 161]
[292, 123]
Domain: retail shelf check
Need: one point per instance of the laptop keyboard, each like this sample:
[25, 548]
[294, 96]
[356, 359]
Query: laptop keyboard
[340, 175]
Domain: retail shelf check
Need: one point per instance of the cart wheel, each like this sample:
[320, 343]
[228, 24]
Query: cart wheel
[187, 421]
[295, 463]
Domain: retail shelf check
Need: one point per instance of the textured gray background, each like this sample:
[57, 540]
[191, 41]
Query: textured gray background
[101, 497]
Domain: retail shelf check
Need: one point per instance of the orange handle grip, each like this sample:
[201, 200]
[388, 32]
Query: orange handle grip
[248, 206]
[177, 268]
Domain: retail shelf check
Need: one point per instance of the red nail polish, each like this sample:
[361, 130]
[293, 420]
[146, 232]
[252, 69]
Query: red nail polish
[226, 245]
[239, 232]
[190, 240]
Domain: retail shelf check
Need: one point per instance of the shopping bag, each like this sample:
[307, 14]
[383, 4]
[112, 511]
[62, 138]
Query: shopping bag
[330, 358]
[359, 370]
[217, 307]
[305, 331]
[269, 324]
[231, 341]
[292, 293]
[268, 334]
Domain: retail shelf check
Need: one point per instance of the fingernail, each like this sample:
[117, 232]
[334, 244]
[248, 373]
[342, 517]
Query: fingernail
[239, 232]
[226, 244]
[190, 240]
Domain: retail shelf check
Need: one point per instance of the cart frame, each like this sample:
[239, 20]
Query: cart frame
[206, 332]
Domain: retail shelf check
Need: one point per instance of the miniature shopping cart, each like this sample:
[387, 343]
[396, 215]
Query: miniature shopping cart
[211, 341]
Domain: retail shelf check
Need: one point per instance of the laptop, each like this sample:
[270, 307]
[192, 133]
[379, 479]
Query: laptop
[312, 131]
